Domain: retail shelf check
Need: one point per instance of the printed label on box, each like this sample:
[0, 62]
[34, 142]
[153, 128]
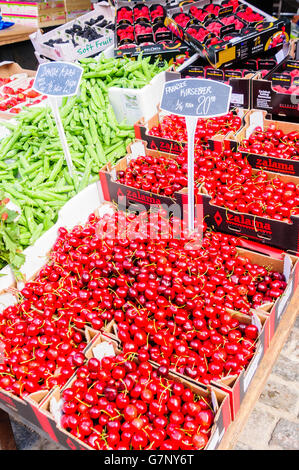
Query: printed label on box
[237, 98]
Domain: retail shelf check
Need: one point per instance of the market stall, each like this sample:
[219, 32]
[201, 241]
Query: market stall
[149, 224]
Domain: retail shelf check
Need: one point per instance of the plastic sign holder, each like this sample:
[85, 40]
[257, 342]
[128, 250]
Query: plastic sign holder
[195, 98]
[56, 80]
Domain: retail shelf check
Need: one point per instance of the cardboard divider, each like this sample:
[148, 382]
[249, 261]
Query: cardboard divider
[157, 47]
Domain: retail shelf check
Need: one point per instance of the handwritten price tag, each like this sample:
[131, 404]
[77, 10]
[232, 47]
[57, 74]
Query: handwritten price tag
[57, 79]
[195, 98]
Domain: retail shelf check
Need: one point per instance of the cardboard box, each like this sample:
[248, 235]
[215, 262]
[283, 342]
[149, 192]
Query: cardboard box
[220, 401]
[277, 103]
[275, 233]
[127, 197]
[75, 211]
[269, 34]
[84, 48]
[35, 14]
[143, 126]
[256, 118]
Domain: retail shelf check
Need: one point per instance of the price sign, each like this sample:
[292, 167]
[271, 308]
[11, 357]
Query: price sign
[58, 79]
[195, 98]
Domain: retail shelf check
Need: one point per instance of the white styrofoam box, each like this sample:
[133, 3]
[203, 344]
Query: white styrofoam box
[37, 255]
[133, 104]
[109, 52]
[4, 131]
[79, 207]
[7, 278]
[68, 51]
[41, 58]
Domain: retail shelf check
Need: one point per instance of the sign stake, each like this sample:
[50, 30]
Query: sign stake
[65, 147]
[191, 123]
[58, 79]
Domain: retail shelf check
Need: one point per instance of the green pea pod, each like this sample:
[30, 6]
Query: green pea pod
[30, 219]
[37, 233]
[85, 177]
[57, 168]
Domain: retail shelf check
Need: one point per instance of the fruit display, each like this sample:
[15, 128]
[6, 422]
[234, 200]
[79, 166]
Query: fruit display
[181, 322]
[123, 325]
[44, 183]
[84, 36]
[257, 193]
[226, 27]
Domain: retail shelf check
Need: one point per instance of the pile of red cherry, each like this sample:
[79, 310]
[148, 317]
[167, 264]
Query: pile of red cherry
[169, 298]
[173, 127]
[255, 194]
[41, 349]
[159, 175]
[272, 142]
[118, 404]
